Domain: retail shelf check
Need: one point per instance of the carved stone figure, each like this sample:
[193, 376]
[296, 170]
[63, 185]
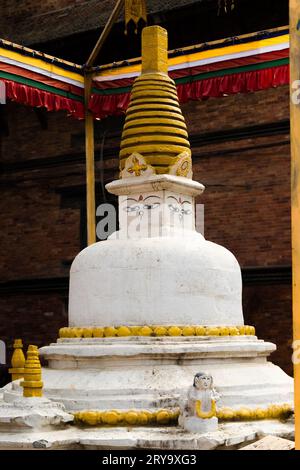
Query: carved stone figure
[199, 413]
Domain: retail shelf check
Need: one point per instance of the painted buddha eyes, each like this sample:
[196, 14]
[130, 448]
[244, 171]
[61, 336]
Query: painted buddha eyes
[141, 207]
[173, 208]
[186, 211]
[132, 209]
[150, 207]
[177, 210]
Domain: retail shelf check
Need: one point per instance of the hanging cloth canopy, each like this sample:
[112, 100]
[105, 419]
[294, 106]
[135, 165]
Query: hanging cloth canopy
[237, 65]
[40, 80]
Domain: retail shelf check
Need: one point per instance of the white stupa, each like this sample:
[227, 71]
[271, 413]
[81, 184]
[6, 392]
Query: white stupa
[157, 303]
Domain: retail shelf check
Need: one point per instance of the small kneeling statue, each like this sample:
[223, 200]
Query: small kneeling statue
[199, 415]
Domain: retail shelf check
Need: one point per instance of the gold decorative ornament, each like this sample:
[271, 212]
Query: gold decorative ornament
[213, 332]
[146, 331]
[175, 331]
[127, 418]
[281, 412]
[165, 417]
[110, 332]
[189, 331]
[156, 331]
[32, 384]
[206, 414]
[136, 165]
[155, 128]
[226, 5]
[110, 418]
[98, 332]
[17, 361]
[161, 331]
[135, 10]
[200, 331]
[183, 166]
[87, 332]
[123, 331]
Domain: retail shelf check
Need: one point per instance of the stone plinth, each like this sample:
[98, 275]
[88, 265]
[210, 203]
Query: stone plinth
[138, 373]
[31, 414]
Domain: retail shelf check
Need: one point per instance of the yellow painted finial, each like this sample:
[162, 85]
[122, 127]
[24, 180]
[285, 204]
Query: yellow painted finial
[32, 384]
[154, 50]
[155, 138]
[17, 361]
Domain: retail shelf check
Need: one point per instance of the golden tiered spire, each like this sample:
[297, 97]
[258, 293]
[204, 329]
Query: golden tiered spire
[155, 138]
[17, 361]
[32, 384]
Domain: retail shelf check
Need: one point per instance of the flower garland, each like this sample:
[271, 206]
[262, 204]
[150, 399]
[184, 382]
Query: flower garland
[206, 414]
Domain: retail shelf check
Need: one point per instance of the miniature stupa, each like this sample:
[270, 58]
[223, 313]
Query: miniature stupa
[156, 303]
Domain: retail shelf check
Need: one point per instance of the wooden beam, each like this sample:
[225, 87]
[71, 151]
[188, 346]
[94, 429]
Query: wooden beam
[113, 18]
[228, 40]
[295, 147]
[89, 125]
[90, 163]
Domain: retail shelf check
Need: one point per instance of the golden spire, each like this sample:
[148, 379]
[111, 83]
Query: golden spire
[155, 138]
[32, 384]
[17, 361]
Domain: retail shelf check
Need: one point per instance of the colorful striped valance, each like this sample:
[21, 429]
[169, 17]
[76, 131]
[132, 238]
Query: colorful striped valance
[39, 80]
[237, 65]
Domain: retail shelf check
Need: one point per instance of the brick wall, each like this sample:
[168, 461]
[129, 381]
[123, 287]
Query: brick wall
[247, 206]
[269, 309]
[247, 200]
[35, 317]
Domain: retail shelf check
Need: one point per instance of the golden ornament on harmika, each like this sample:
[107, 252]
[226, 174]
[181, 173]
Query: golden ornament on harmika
[32, 384]
[17, 361]
[155, 138]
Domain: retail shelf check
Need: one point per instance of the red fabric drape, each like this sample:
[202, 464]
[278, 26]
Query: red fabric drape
[116, 104]
[244, 82]
[39, 98]
[108, 105]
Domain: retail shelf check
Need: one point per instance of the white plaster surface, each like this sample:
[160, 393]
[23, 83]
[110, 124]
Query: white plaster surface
[31, 414]
[231, 435]
[200, 426]
[159, 281]
[141, 184]
[140, 372]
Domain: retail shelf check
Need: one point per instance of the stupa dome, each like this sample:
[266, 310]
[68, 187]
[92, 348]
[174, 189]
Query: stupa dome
[160, 281]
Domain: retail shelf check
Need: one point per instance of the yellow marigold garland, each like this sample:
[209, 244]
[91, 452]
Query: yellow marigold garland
[155, 331]
[166, 417]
